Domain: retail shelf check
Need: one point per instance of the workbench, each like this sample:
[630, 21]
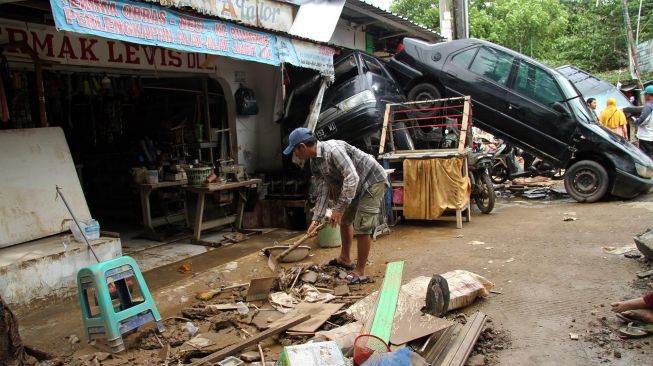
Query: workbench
[236, 219]
[149, 223]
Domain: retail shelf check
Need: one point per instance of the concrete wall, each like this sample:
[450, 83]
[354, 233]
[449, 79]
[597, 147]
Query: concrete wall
[258, 137]
[42, 269]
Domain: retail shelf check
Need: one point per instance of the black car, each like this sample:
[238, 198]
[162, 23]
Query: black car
[353, 106]
[530, 105]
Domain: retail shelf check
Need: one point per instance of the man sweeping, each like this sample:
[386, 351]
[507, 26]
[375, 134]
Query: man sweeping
[358, 182]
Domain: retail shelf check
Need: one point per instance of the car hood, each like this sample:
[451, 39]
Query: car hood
[620, 143]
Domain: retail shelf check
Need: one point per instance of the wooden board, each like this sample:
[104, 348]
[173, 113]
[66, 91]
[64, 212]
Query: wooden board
[460, 346]
[416, 325]
[320, 313]
[33, 162]
[219, 355]
[385, 311]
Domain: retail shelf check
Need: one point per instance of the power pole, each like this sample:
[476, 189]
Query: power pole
[461, 19]
[632, 51]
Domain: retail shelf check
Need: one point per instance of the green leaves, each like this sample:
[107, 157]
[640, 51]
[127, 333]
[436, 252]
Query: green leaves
[557, 32]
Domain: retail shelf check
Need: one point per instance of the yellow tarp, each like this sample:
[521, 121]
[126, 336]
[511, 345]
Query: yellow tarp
[432, 186]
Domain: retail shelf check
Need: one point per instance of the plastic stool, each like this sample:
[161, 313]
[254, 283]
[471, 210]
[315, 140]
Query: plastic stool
[118, 312]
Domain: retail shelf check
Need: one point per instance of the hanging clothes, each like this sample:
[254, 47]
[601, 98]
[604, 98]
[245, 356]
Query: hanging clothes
[614, 119]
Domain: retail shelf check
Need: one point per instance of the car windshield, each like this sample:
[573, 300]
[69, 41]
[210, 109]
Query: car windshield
[574, 100]
[602, 99]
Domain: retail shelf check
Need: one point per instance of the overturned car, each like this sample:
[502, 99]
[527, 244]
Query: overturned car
[530, 105]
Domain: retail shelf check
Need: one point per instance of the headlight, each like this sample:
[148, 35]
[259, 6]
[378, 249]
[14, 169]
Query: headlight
[361, 98]
[644, 171]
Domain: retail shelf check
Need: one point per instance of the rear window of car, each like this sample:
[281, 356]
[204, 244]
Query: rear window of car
[372, 65]
[535, 83]
[345, 69]
[492, 64]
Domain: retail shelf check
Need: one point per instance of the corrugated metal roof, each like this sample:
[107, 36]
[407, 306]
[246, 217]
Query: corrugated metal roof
[397, 20]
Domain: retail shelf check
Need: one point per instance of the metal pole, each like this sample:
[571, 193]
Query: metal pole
[77, 223]
[631, 46]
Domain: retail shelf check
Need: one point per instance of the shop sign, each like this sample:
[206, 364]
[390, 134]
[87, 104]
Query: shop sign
[73, 49]
[307, 55]
[153, 25]
[259, 13]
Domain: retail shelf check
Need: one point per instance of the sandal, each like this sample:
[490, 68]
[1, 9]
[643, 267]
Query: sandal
[354, 279]
[334, 262]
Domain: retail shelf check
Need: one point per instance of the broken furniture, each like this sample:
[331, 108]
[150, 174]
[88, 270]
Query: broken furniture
[430, 181]
[235, 219]
[149, 223]
[115, 299]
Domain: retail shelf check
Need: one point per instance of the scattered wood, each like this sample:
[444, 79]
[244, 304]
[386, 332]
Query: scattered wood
[342, 290]
[458, 350]
[438, 342]
[645, 274]
[259, 288]
[320, 313]
[219, 355]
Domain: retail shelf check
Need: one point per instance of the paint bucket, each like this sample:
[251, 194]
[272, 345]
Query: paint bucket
[329, 237]
[152, 176]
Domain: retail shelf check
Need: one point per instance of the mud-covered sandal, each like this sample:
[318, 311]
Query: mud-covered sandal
[354, 279]
[334, 262]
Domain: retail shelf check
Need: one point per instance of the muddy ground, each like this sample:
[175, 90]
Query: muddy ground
[552, 278]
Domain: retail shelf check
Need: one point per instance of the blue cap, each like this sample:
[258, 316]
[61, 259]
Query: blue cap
[297, 136]
[648, 90]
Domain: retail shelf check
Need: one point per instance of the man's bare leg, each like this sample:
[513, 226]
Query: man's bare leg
[347, 237]
[363, 245]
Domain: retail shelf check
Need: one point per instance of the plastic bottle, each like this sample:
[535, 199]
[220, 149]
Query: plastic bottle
[242, 308]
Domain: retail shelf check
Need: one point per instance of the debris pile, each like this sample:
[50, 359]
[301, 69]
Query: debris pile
[308, 310]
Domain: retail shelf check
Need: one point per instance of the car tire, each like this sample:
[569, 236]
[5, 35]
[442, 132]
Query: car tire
[424, 91]
[586, 181]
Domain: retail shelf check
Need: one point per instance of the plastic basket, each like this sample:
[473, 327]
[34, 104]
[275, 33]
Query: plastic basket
[197, 176]
[367, 344]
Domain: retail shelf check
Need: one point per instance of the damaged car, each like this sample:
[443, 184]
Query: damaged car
[353, 106]
[531, 106]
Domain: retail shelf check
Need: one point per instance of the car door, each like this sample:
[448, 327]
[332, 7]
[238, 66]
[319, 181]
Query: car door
[481, 72]
[380, 82]
[530, 108]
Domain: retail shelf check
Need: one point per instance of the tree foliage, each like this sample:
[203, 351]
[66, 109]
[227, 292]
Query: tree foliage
[577, 32]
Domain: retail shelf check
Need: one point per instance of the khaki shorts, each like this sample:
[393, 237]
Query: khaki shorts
[363, 212]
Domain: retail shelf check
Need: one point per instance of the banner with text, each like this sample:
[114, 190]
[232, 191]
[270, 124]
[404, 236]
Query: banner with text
[307, 55]
[153, 25]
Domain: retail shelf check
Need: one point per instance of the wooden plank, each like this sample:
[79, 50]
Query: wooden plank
[219, 355]
[384, 129]
[319, 312]
[463, 131]
[439, 342]
[385, 311]
[461, 346]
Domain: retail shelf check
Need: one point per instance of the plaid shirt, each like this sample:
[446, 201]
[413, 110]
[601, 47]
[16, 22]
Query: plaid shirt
[339, 166]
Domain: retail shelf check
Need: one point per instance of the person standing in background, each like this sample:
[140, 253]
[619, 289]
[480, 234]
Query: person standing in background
[591, 104]
[614, 119]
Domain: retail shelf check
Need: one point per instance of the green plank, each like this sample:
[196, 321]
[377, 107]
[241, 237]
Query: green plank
[385, 310]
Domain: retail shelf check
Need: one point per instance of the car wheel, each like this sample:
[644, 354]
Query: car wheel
[586, 181]
[424, 91]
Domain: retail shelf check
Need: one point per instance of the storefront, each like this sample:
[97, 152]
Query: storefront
[137, 87]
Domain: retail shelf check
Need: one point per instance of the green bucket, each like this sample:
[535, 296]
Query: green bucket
[329, 237]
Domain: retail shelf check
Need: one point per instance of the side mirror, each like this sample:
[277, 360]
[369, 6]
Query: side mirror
[561, 108]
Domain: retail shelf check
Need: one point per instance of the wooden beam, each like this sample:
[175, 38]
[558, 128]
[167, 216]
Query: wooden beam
[388, 296]
[219, 355]
[384, 131]
[461, 346]
[463, 130]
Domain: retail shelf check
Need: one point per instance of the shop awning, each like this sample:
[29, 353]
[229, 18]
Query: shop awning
[153, 25]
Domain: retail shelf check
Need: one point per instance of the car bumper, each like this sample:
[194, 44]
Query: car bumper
[353, 125]
[627, 185]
